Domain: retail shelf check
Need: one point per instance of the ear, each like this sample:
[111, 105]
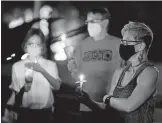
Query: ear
[106, 22]
[142, 46]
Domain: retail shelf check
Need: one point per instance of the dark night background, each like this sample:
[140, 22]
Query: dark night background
[122, 12]
[149, 12]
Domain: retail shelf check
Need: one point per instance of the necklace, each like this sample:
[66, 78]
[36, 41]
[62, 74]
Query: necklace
[138, 64]
[132, 68]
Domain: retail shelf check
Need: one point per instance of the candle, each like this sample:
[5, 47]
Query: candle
[35, 60]
[29, 75]
[81, 80]
[63, 37]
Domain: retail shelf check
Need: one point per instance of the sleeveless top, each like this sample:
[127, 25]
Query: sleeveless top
[143, 114]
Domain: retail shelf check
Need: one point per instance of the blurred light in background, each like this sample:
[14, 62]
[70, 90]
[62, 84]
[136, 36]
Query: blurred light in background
[61, 56]
[28, 15]
[24, 56]
[63, 37]
[13, 55]
[9, 58]
[16, 22]
[45, 12]
[36, 25]
[57, 46]
[44, 26]
[58, 49]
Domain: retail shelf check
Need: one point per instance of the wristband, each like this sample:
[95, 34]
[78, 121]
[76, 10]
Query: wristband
[107, 100]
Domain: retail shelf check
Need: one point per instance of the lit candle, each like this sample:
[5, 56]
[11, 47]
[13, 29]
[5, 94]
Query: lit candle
[63, 37]
[81, 80]
[35, 60]
[29, 75]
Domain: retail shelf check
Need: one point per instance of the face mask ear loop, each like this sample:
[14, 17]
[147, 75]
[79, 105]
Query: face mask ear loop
[140, 57]
[139, 48]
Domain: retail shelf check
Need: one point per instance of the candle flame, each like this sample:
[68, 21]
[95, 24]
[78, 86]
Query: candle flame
[63, 37]
[81, 80]
[81, 77]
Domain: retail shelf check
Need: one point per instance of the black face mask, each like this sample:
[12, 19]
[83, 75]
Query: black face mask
[126, 51]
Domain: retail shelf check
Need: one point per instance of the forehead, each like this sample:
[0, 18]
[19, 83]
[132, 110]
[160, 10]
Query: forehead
[34, 39]
[93, 16]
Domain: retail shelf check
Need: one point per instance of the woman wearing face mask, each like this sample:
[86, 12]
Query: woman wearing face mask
[38, 76]
[133, 87]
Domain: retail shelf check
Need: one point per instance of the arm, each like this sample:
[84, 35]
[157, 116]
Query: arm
[84, 98]
[15, 87]
[113, 84]
[76, 62]
[101, 105]
[96, 106]
[52, 77]
[11, 100]
[17, 92]
[145, 87]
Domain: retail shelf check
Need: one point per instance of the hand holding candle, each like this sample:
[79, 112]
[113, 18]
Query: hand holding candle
[34, 66]
[29, 75]
[82, 95]
[28, 79]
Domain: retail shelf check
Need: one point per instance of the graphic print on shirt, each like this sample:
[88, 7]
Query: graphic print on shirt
[105, 55]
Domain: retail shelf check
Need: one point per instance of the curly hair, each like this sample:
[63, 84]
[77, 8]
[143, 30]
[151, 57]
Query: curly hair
[38, 32]
[139, 31]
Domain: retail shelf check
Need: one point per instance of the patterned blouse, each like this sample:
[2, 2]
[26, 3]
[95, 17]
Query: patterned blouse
[144, 114]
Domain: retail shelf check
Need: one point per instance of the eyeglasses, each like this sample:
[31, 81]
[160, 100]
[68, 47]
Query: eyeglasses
[33, 45]
[94, 21]
[126, 42]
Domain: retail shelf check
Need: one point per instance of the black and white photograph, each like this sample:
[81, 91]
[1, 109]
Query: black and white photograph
[81, 61]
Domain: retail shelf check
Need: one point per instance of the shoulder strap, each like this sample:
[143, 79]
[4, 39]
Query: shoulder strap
[122, 74]
[140, 69]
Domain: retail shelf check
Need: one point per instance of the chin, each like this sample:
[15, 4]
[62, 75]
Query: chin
[92, 36]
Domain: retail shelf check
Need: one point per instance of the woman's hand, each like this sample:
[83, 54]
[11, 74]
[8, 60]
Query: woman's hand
[82, 96]
[35, 66]
[27, 86]
[9, 116]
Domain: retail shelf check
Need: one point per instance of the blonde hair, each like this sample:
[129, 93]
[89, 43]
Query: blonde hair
[139, 31]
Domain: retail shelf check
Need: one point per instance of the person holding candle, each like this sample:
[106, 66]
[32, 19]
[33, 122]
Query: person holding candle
[96, 57]
[133, 86]
[38, 76]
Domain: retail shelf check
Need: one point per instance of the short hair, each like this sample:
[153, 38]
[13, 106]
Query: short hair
[139, 31]
[32, 32]
[101, 10]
